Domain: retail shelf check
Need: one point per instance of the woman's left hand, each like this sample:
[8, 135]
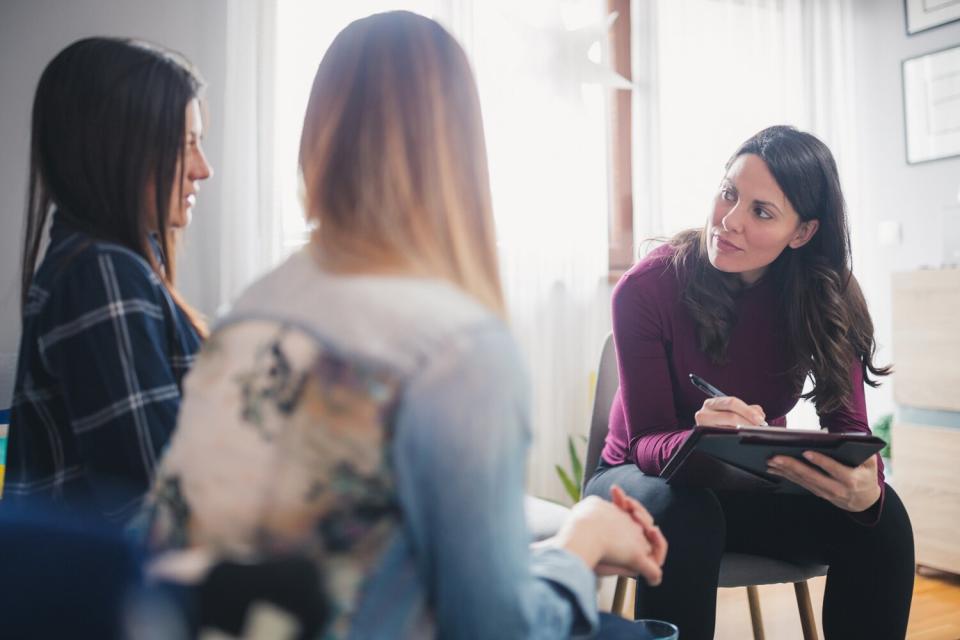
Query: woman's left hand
[850, 488]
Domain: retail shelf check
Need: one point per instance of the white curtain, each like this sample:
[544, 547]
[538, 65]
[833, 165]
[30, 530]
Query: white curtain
[543, 90]
[250, 229]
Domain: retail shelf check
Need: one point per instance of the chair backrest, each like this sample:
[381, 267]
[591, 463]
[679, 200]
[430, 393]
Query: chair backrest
[608, 380]
[63, 576]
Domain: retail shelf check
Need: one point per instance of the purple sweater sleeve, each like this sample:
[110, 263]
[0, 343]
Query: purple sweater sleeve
[852, 418]
[646, 387]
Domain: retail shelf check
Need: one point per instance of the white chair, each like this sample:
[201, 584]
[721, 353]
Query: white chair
[736, 569]
[544, 518]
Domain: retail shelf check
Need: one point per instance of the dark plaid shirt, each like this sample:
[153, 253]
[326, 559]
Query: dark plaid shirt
[102, 355]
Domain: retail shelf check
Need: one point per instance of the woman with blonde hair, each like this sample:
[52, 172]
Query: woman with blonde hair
[364, 406]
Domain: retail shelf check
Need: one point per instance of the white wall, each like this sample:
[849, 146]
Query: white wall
[915, 196]
[31, 33]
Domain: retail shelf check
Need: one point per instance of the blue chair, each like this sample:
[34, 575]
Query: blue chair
[63, 577]
[736, 569]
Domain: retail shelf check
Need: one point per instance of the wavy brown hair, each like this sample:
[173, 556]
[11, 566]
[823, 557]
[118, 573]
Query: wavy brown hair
[826, 318]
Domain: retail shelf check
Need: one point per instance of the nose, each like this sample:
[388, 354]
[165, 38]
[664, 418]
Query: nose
[200, 168]
[733, 220]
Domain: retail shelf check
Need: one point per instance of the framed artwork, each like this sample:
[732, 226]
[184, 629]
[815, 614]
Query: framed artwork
[931, 105]
[927, 14]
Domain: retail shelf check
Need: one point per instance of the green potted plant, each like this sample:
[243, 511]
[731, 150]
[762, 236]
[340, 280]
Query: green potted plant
[573, 479]
[882, 429]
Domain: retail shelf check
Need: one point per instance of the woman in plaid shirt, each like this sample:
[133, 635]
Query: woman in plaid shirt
[116, 157]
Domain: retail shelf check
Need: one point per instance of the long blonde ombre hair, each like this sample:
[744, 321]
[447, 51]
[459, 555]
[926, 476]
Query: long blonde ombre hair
[393, 158]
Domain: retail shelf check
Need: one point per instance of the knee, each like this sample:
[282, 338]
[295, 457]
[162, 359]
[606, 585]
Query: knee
[694, 513]
[894, 533]
[689, 517]
[694, 525]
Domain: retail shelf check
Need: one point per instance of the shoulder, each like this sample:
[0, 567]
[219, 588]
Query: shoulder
[404, 320]
[482, 355]
[658, 260]
[653, 278]
[97, 264]
[88, 276]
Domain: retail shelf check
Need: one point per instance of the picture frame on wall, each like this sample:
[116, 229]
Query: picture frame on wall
[927, 14]
[931, 105]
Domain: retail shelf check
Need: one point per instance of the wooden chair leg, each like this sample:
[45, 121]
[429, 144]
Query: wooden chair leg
[753, 597]
[630, 603]
[808, 620]
[619, 596]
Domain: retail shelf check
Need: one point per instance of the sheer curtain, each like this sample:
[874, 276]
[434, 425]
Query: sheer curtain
[543, 90]
[250, 230]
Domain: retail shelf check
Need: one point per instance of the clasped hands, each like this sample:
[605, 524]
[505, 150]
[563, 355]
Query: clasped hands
[849, 488]
[617, 537]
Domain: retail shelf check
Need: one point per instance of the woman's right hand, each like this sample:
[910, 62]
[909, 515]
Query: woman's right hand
[614, 539]
[729, 411]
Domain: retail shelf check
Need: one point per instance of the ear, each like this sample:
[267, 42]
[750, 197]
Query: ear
[804, 233]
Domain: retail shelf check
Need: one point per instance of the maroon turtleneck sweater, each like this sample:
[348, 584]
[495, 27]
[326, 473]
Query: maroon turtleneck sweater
[657, 349]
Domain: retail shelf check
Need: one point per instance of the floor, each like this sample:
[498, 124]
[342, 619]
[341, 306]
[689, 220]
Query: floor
[934, 615]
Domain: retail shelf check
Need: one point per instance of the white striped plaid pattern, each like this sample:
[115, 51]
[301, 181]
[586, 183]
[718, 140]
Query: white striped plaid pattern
[102, 356]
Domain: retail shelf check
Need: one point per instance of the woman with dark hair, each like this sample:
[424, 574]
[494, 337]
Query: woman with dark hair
[757, 302]
[116, 161]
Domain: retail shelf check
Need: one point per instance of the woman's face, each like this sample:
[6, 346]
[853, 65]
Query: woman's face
[752, 221]
[191, 169]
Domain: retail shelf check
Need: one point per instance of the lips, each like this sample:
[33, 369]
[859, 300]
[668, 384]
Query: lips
[725, 245]
[190, 199]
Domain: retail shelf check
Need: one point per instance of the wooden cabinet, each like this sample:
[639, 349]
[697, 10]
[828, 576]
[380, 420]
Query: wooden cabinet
[926, 432]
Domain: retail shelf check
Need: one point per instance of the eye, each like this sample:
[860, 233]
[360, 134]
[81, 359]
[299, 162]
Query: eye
[727, 194]
[763, 214]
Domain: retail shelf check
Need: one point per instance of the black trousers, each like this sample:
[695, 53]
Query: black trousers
[869, 584]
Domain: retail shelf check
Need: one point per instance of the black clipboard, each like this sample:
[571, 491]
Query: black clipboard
[736, 459]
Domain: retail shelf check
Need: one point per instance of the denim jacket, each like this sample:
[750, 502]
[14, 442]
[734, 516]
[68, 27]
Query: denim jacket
[380, 426]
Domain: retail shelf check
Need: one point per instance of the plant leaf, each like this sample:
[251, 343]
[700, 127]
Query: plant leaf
[572, 490]
[575, 465]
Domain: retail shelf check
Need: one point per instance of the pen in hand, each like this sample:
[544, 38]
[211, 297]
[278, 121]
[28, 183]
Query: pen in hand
[712, 391]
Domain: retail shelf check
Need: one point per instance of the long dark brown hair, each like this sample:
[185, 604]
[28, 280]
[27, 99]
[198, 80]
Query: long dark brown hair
[826, 316]
[108, 120]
